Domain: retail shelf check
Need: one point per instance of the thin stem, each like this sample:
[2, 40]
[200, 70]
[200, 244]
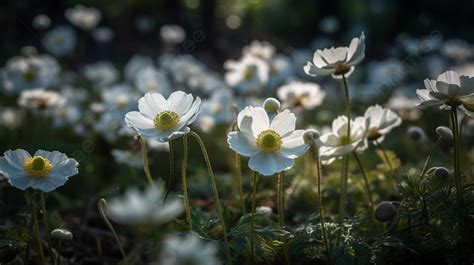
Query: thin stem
[238, 174]
[385, 155]
[214, 188]
[348, 107]
[187, 206]
[252, 233]
[366, 182]
[59, 252]
[39, 244]
[102, 205]
[281, 210]
[46, 227]
[342, 199]
[315, 156]
[171, 176]
[145, 161]
[428, 159]
[457, 163]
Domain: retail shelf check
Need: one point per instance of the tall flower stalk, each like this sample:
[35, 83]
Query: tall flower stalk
[345, 175]
[39, 244]
[145, 161]
[457, 154]
[171, 176]
[281, 209]
[46, 226]
[252, 233]
[187, 205]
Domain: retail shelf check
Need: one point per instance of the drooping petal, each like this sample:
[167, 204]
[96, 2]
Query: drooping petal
[242, 143]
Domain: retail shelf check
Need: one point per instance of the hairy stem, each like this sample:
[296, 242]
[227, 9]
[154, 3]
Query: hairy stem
[214, 188]
[102, 205]
[171, 176]
[39, 244]
[187, 206]
[145, 161]
[46, 227]
[252, 233]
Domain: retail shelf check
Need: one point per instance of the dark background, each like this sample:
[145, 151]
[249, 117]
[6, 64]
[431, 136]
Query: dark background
[285, 23]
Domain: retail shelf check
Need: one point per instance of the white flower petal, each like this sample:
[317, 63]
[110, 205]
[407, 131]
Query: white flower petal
[16, 158]
[180, 102]
[283, 123]
[242, 143]
[269, 164]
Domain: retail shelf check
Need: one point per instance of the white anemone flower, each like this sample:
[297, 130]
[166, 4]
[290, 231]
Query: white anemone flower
[150, 79]
[41, 21]
[449, 90]
[249, 74]
[336, 143]
[144, 207]
[189, 250]
[261, 49]
[172, 34]
[271, 145]
[85, 18]
[40, 99]
[45, 171]
[382, 121]
[60, 41]
[164, 119]
[305, 94]
[337, 61]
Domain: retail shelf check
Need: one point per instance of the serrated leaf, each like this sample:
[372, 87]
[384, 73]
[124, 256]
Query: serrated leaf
[390, 161]
[13, 237]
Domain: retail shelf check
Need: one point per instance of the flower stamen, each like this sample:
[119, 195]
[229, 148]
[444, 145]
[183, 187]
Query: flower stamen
[37, 167]
[269, 141]
[166, 120]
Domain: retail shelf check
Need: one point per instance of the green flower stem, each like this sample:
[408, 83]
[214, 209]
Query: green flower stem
[366, 182]
[39, 244]
[428, 159]
[281, 209]
[145, 161]
[252, 233]
[238, 174]
[187, 205]
[171, 176]
[213, 185]
[102, 205]
[342, 203]
[59, 252]
[457, 154]
[325, 239]
[385, 155]
[46, 226]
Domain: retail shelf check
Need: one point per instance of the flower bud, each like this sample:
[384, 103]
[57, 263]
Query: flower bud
[311, 135]
[416, 133]
[61, 234]
[385, 211]
[445, 133]
[271, 105]
[441, 173]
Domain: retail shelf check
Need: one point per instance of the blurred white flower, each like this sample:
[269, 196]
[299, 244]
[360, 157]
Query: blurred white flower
[119, 99]
[271, 145]
[144, 24]
[387, 72]
[69, 114]
[41, 21]
[456, 49]
[305, 94]
[260, 49]
[164, 119]
[281, 69]
[144, 207]
[337, 61]
[11, 118]
[449, 90]
[103, 34]
[150, 79]
[172, 34]
[382, 121]
[101, 74]
[85, 18]
[128, 158]
[337, 143]
[135, 64]
[248, 75]
[22, 73]
[189, 250]
[329, 25]
[60, 41]
[40, 99]
[403, 105]
[45, 171]
[216, 110]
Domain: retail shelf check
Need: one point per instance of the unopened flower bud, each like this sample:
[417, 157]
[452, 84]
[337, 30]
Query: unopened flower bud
[311, 135]
[441, 173]
[271, 105]
[385, 211]
[445, 133]
[416, 133]
[61, 234]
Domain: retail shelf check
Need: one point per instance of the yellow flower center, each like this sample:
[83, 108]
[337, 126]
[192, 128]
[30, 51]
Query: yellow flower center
[373, 134]
[166, 121]
[469, 107]
[29, 75]
[341, 69]
[37, 167]
[344, 140]
[269, 141]
[248, 75]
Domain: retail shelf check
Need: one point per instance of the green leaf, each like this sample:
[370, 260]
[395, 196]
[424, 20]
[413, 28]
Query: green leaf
[14, 237]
